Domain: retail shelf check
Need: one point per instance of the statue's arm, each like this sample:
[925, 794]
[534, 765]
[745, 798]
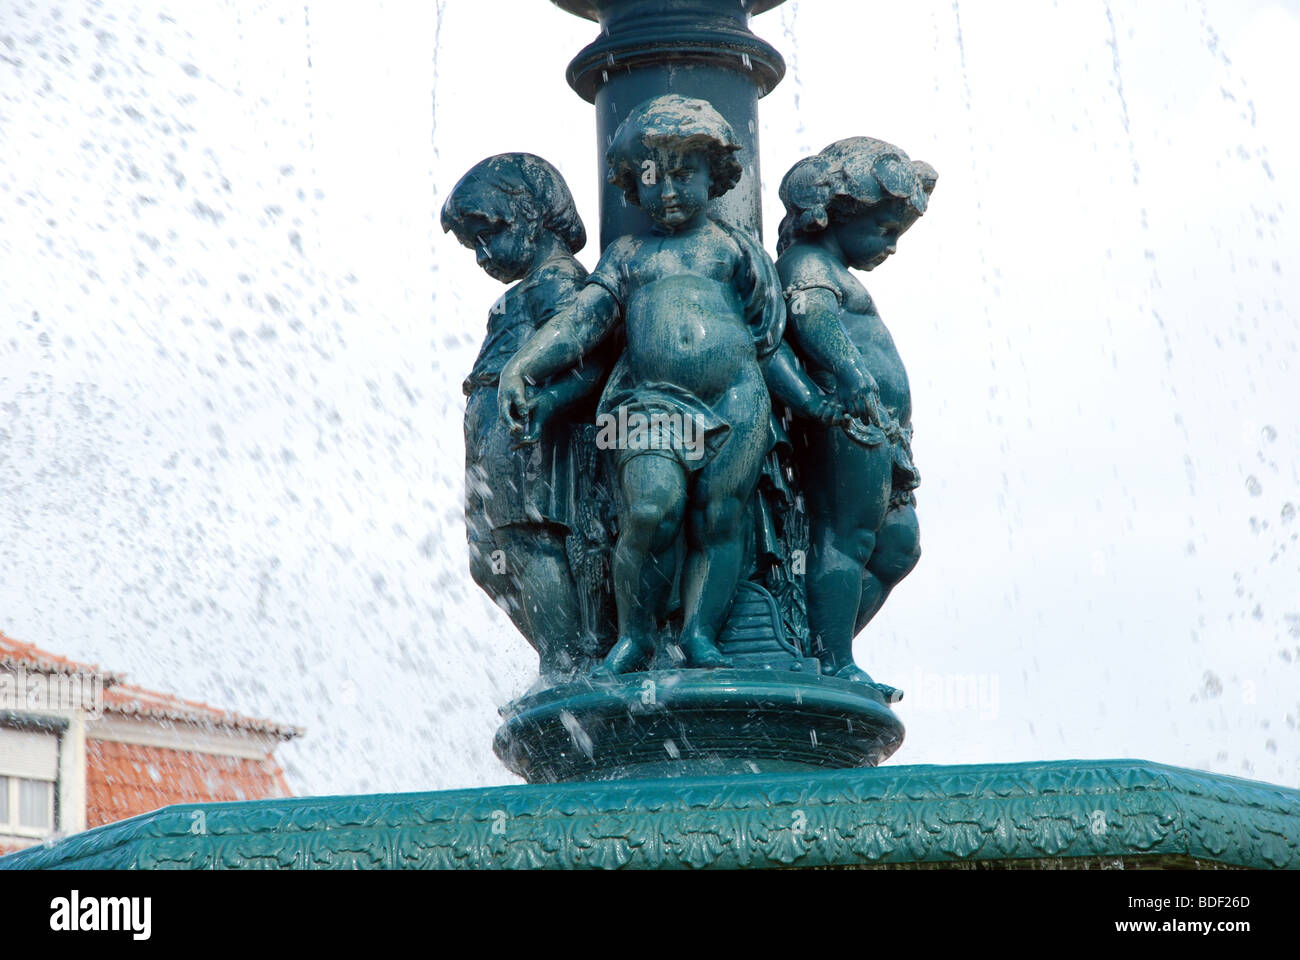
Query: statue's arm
[815, 328]
[566, 338]
[793, 387]
[577, 384]
[560, 344]
[584, 379]
[563, 392]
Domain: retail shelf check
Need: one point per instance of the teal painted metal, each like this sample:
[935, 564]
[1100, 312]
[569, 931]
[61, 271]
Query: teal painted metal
[697, 303]
[739, 497]
[681, 723]
[1094, 813]
[842, 385]
[536, 516]
[693, 48]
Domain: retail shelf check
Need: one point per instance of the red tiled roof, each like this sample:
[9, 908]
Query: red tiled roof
[126, 779]
[129, 700]
[15, 654]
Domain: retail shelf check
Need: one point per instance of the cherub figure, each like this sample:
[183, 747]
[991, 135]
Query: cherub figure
[846, 207]
[700, 305]
[516, 212]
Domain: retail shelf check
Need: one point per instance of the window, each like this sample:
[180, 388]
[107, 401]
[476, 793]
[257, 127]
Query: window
[29, 765]
[36, 804]
[26, 806]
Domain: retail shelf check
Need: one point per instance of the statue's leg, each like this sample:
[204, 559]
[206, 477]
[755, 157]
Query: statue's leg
[847, 491]
[653, 501]
[716, 519]
[898, 549]
[536, 557]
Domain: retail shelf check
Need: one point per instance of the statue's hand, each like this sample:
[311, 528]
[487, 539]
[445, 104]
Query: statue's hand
[512, 400]
[825, 410]
[863, 402]
[540, 409]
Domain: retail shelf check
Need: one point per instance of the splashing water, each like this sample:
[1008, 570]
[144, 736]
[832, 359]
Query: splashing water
[230, 448]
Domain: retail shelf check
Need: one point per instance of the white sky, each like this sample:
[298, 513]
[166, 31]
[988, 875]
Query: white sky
[232, 338]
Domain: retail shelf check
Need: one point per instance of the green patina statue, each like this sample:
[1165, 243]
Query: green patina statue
[741, 493]
[846, 207]
[688, 474]
[527, 495]
[699, 304]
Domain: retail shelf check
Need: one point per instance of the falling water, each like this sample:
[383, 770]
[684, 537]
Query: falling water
[789, 13]
[1119, 92]
[233, 337]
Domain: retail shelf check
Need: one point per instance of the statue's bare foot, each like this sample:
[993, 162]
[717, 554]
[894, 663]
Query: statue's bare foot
[856, 674]
[701, 653]
[624, 657]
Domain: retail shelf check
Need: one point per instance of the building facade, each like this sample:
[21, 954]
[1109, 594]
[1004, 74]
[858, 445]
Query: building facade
[81, 747]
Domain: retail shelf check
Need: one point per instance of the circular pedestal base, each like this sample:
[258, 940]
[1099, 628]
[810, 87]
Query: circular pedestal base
[676, 723]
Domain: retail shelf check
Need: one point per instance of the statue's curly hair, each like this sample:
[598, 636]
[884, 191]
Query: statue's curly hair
[676, 123]
[528, 186]
[848, 177]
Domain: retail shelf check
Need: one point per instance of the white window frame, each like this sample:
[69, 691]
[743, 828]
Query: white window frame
[13, 827]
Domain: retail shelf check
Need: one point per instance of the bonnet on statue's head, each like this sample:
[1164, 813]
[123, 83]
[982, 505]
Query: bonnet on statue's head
[852, 174]
[510, 186]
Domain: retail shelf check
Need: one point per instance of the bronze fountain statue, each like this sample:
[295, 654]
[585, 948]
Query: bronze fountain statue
[689, 478]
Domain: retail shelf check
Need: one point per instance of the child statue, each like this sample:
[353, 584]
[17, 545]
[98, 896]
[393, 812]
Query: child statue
[846, 207]
[699, 304]
[516, 212]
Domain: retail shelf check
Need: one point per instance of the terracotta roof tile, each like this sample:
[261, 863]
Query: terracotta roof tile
[15, 654]
[129, 700]
[126, 779]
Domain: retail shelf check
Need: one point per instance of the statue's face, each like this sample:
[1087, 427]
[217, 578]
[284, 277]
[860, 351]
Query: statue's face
[504, 249]
[673, 188]
[870, 238]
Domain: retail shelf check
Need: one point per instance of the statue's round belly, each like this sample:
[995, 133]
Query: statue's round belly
[689, 331]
